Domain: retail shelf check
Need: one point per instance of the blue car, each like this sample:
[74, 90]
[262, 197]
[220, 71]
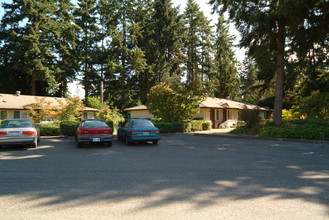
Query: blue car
[138, 130]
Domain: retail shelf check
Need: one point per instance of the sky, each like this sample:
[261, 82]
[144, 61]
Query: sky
[76, 89]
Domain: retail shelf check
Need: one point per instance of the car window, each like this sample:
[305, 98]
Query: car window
[142, 123]
[17, 124]
[126, 124]
[94, 124]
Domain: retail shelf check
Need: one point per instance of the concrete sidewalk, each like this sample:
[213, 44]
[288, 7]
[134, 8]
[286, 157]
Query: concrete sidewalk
[215, 131]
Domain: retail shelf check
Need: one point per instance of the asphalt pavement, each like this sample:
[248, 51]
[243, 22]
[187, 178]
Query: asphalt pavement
[185, 176]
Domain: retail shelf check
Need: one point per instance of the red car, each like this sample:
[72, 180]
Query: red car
[93, 131]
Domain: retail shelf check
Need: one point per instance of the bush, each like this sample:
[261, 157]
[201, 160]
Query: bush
[299, 129]
[110, 123]
[69, 128]
[185, 127]
[250, 117]
[50, 130]
[196, 125]
[169, 127]
[206, 125]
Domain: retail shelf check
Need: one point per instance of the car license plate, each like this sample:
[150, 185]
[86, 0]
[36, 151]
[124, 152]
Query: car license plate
[96, 139]
[13, 133]
[146, 133]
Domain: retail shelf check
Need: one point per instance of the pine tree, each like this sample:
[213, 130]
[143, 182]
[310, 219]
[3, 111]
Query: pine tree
[65, 63]
[225, 72]
[276, 25]
[29, 25]
[167, 33]
[86, 19]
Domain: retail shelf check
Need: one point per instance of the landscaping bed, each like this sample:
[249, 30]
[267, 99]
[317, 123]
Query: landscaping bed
[311, 129]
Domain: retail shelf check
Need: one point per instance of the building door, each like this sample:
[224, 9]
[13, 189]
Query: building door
[212, 117]
[225, 115]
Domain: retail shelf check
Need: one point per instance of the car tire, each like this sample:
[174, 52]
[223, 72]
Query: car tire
[155, 142]
[109, 144]
[127, 140]
[34, 144]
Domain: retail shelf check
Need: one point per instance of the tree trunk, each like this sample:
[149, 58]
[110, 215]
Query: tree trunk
[279, 74]
[33, 83]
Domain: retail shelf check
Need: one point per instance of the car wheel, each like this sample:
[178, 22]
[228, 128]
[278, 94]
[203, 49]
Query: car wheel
[109, 144]
[127, 140]
[155, 142]
[35, 143]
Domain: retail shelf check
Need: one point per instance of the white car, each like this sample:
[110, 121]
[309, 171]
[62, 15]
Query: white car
[19, 132]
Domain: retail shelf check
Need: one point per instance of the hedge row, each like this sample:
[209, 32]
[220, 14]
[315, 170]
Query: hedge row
[310, 129]
[184, 127]
[68, 128]
[50, 130]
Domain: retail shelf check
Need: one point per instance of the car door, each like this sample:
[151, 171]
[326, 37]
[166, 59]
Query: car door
[123, 130]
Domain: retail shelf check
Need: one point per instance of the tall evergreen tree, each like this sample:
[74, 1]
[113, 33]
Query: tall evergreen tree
[65, 62]
[86, 18]
[194, 19]
[167, 34]
[276, 25]
[225, 71]
[29, 24]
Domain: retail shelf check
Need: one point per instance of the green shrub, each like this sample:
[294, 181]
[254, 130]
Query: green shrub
[240, 130]
[299, 129]
[196, 125]
[169, 127]
[185, 127]
[206, 125]
[50, 130]
[69, 128]
[250, 117]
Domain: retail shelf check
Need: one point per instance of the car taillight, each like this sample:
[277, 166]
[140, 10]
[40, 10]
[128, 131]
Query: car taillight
[108, 131]
[83, 131]
[158, 132]
[2, 133]
[133, 132]
[28, 132]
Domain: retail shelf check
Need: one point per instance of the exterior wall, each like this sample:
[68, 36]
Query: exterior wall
[13, 114]
[88, 115]
[23, 114]
[141, 114]
[203, 114]
[233, 115]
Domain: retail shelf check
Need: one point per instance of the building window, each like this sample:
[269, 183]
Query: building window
[24, 115]
[3, 115]
[229, 115]
[219, 115]
[85, 115]
[17, 114]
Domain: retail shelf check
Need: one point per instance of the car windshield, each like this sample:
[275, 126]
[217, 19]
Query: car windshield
[17, 124]
[142, 123]
[87, 124]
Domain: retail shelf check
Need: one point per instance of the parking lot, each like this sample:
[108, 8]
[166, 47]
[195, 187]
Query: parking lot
[185, 176]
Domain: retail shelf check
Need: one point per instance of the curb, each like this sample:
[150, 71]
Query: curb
[248, 137]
